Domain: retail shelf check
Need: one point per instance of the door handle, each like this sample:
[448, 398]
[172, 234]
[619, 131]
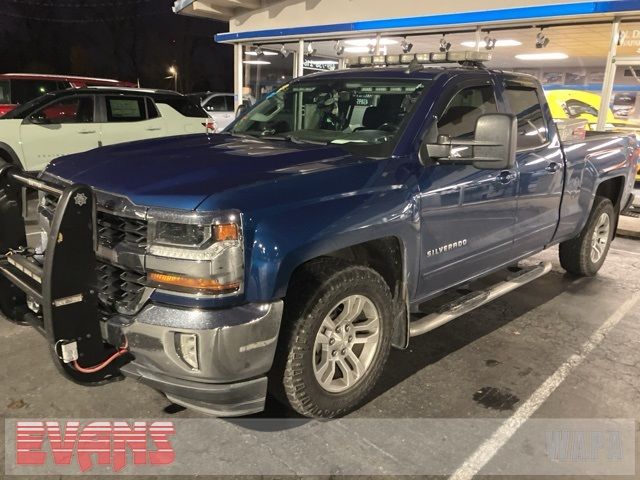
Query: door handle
[153, 129]
[553, 167]
[86, 132]
[505, 177]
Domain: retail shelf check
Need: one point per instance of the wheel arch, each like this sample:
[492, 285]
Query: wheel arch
[387, 256]
[9, 155]
[613, 189]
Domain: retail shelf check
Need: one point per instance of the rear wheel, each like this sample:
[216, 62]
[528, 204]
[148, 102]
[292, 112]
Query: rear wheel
[585, 254]
[338, 335]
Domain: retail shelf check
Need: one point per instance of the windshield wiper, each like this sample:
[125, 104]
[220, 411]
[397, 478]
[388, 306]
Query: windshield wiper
[293, 139]
[241, 135]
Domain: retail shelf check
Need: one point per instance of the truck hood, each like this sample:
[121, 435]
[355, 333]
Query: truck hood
[182, 172]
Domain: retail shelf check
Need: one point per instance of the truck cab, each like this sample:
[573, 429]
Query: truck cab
[340, 216]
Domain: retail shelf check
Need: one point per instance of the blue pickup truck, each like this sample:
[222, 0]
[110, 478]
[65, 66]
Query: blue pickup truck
[342, 215]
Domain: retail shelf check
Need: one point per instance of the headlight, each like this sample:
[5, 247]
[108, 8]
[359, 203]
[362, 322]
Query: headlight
[181, 234]
[199, 253]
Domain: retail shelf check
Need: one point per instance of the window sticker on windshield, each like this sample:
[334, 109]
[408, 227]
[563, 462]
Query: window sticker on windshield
[364, 100]
[125, 108]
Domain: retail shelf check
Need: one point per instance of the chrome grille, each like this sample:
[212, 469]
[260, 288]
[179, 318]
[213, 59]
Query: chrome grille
[113, 230]
[120, 290]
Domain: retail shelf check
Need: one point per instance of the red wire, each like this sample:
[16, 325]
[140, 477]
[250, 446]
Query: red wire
[96, 368]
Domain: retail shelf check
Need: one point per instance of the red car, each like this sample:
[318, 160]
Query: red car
[17, 88]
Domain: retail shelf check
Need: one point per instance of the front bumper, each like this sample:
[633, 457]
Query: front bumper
[236, 347]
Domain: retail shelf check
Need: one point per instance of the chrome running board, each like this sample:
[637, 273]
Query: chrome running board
[473, 300]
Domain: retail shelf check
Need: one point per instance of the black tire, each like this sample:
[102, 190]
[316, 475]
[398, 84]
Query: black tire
[575, 254]
[314, 291]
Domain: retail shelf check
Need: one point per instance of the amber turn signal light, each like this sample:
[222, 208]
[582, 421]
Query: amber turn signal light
[226, 231]
[190, 283]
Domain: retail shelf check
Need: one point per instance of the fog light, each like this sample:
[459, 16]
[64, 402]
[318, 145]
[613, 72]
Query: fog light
[187, 348]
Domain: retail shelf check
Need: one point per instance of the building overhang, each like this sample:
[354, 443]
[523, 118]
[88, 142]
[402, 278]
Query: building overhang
[525, 15]
[215, 9]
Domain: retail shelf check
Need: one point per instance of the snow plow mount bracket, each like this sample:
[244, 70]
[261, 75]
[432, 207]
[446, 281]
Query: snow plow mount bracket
[64, 283]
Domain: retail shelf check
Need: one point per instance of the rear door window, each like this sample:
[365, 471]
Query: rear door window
[152, 110]
[126, 109]
[525, 104]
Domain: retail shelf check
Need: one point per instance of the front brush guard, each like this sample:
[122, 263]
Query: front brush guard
[65, 285]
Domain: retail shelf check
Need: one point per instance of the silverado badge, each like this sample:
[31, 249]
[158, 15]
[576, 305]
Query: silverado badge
[447, 248]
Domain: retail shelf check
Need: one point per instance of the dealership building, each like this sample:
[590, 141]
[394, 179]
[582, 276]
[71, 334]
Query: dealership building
[582, 46]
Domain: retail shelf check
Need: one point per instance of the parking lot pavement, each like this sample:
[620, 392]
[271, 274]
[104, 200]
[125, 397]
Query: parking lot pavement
[484, 365]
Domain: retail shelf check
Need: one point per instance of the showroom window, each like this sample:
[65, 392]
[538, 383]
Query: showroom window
[68, 110]
[460, 117]
[525, 104]
[125, 109]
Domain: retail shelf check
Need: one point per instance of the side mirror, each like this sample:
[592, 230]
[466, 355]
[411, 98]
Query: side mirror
[38, 118]
[493, 145]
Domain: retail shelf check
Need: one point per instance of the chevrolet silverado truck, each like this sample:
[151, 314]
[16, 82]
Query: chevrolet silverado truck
[342, 215]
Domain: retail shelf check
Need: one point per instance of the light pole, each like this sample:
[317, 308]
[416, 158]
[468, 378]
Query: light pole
[173, 70]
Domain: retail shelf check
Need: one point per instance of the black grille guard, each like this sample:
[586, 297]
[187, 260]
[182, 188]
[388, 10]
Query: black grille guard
[65, 285]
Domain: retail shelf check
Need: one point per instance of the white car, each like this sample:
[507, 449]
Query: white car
[219, 106]
[76, 120]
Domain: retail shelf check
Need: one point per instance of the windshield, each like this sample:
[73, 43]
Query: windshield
[362, 115]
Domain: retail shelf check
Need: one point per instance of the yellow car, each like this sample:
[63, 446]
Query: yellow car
[585, 105]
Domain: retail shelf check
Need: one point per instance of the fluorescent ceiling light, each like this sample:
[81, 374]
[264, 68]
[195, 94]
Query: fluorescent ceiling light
[324, 62]
[266, 53]
[542, 56]
[499, 43]
[256, 62]
[365, 42]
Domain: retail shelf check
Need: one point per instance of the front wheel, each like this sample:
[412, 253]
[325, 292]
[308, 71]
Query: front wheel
[338, 335]
[585, 254]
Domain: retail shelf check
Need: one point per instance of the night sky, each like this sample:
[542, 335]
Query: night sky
[124, 39]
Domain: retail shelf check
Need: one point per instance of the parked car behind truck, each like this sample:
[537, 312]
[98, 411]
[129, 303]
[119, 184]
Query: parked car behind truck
[18, 88]
[77, 120]
[219, 106]
[293, 251]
